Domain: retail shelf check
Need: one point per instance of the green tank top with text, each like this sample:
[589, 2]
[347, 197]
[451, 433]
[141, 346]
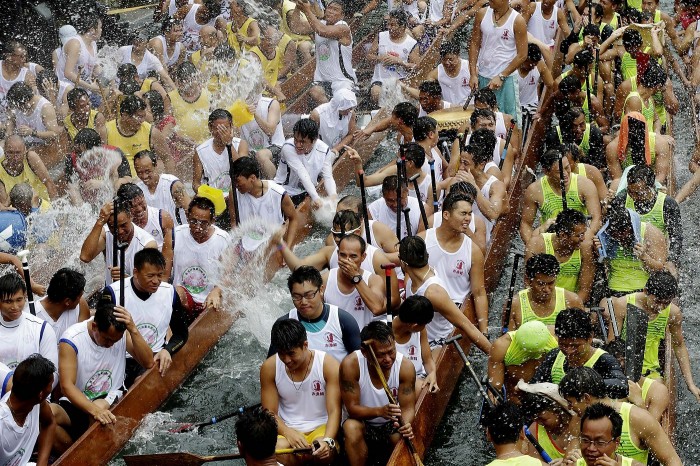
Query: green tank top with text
[552, 204]
[527, 314]
[627, 273]
[656, 215]
[569, 270]
[558, 372]
[627, 447]
[656, 331]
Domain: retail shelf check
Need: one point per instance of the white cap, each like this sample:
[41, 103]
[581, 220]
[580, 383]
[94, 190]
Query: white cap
[66, 32]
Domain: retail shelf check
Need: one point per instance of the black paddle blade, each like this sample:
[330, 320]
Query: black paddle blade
[637, 324]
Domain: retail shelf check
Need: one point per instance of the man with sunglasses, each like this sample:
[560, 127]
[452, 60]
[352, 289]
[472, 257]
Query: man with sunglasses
[601, 428]
[328, 328]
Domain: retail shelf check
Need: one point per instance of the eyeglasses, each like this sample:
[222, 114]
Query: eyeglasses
[309, 295]
[586, 442]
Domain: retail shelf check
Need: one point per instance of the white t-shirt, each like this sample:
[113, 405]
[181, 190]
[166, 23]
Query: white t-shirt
[300, 173]
[17, 443]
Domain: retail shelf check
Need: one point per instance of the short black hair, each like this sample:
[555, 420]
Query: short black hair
[549, 158]
[422, 127]
[74, 95]
[415, 153]
[389, 184]
[406, 112]
[168, 23]
[31, 376]
[287, 335]
[617, 216]
[11, 283]
[570, 84]
[399, 14]
[378, 331]
[303, 274]
[203, 203]
[353, 237]
[583, 58]
[545, 264]
[127, 72]
[256, 430]
[580, 381]
[631, 38]
[351, 202]
[105, 318]
[245, 167]
[449, 48]
[413, 251]
[532, 405]
[88, 138]
[306, 128]
[66, 283]
[147, 153]
[462, 187]
[220, 114]
[481, 145]
[150, 256]
[534, 53]
[131, 104]
[184, 71]
[662, 284]
[592, 29]
[573, 322]
[599, 411]
[567, 219]
[347, 219]
[481, 113]
[416, 310]
[654, 76]
[486, 96]
[127, 192]
[432, 88]
[19, 94]
[86, 21]
[452, 199]
[642, 173]
[504, 422]
[155, 101]
[129, 87]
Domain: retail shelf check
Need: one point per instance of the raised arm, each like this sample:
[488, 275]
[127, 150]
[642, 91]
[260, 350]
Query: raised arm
[442, 303]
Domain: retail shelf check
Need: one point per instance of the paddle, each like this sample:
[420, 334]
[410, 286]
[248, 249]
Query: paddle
[637, 325]
[388, 268]
[562, 185]
[122, 252]
[601, 321]
[27, 279]
[511, 290]
[234, 195]
[115, 240]
[588, 93]
[407, 219]
[505, 147]
[423, 215]
[188, 427]
[595, 72]
[432, 180]
[365, 215]
[399, 171]
[488, 400]
[409, 443]
[190, 459]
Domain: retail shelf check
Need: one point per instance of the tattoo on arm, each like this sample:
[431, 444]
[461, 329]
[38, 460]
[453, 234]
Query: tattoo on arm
[347, 386]
[408, 389]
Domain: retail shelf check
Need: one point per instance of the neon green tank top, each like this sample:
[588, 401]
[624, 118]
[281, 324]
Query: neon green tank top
[656, 331]
[547, 443]
[527, 314]
[625, 461]
[636, 4]
[584, 145]
[552, 203]
[570, 270]
[652, 152]
[517, 461]
[646, 385]
[627, 273]
[656, 215]
[628, 66]
[558, 372]
[648, 110]
[516, 355]
[627, 447]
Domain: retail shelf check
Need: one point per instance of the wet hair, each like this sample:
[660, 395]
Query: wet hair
[567, 220]
[203, 203]
[533, 405]
[303, 274]
[127, 72]
[422, 127]
[86, 21]
[389, 184]
[573, 149]
[220, 114]
[184, 71]
[213, 7]
[31, 376]
[546, 264]
[356, 238]
[150, 256]
[583, 58]
[131, 104]
[566, 122]
[416, 310]
[21, 196]
[549, 159]
[432, 88]
[127, 192]
[224, 52]
[415, 153]
[617, 215]
[462, 187]
[347, 219]
[306, 128]
[569, 85]
[481, 145]
[504, 423]
[129, 87]
[74, 95]
[481, 113]
[378, 331]
[406, 112]
[637, 140]
[105, 318]
[413, 251]
[155, 101]
[580, 381]
[449, 48]
[288, 335]
[592, 29]
[245, 167]
[641, 173]
[599, 411]
[662, 285]
[451, 201]
[631, 38]
[11, 283]
[351, 202]
[573, 322]
[598, 9]
[256, 430]
[400, 16]
[169, 23]
[339, 3]
[48, 76]
[654, 76]
[147, 153]
[534, 53]
[10, 47]
[87, 138]
[486, 96]
[632, 15]
[66, 283]
[19, 94]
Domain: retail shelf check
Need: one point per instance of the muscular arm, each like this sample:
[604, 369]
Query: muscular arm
[160, 147]
[587, 273]
[590, 192]
[443, 305]
[94, 243]
[137, 347]
[681, 350]
[496, 366]
[481, 302]
[653, 436]
[269, 397]
[269, 125]
[292, 217]
[407, 391]
[47, 427]
[333, 402]
[529, 212]
[350, 390]
[372, 294]
[42, 173]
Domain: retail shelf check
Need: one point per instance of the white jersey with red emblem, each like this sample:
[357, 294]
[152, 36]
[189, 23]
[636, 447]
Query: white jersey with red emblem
[452, 267]
[352, 302]
[372, 396]
[411, 350]
[330, 337]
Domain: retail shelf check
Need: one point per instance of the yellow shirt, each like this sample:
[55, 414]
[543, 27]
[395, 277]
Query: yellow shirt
[130, 145]
[26, 176]
[191, 116]
[72, 130]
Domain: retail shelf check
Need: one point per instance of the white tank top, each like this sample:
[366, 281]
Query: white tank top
[66, 319]
[501, 131]
[215, 165]
[384, 214]
[456, 89]
[372, 238]
[170, 59]
[543, 29]
[411, 350]
[162, 198]
[439, 327]
[17, 443]
[196, 265]
[172, 7]
[139, 241]
[328, 339]
[436, 9]
[424, 189]
[453, 268]
[152, 316]
[388, 47]
[313, 162]
[351, 303]
[528, 88]
[33, 120]
[302, 405]
[329, 53]
[87, 60]
[149, 62]
[254, 135]
[6, 84]
[191, 28]
[25, 336]
[485, 190]
[267, 207]
[332, 135]
[413, 11]
[100, 370]
[5, 375]
[497, 45]
[372, 396]
[367, 264]
[434, 155]
[154, 226]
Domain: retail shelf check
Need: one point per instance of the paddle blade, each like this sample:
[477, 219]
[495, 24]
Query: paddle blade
[183, 428]
[167, 459]
[637, 324]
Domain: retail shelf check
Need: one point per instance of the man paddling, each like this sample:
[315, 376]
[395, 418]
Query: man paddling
[504, 428]
[256, 436]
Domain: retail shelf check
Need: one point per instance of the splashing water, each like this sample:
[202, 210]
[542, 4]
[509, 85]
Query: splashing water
[109, 59]
[324, 215]
[239, 81]
[391, 94]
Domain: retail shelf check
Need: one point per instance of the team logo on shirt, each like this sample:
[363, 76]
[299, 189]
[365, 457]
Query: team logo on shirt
[532, 80]
[505, 35]
[149, 332]
[330, 340]
[222, 182]
[195, 279]
[359, 304]
[99, 384]
[412, 350]
[155, 233]
[465, 82]
[256, 139]
[323, 51]
[12, 364]
[459, 268]
[395, 392]
[317, 388]
[16, 460]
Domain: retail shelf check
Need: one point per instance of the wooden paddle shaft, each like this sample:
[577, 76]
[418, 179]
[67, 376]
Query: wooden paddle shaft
[190, 459]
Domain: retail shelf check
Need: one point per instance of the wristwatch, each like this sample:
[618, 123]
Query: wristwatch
[330, 442]
[357, 279]
[502, 77]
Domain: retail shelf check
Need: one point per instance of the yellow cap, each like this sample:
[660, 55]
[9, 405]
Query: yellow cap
[241, 114]
[215, 195]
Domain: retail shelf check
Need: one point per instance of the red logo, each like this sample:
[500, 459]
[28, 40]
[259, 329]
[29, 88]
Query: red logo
[465, 83]
[359, 304]
[412, 350]
[459, 268]
[505, 35]
[532, 80]
[330, 340]
[395, 392]
[317, 388]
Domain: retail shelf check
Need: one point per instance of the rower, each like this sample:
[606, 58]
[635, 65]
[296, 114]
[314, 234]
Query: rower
[263, 133]
[384, 209]
[632, 50]
[195, 16]
[161, 190]
[412, 340]
[156, 310]
[642, 98]
[567, 242]
[486, 98]
[373, 425]
[574, 331]
[632, 247]
[167, 46]
[477, 228]
[641, 433]
[531, 74]
[601, 427]
[256, 437]
[91, 368]
[196, 255]
[271, 53]
[504, 429]
[64, 304]
[516, 355]
[425, 133]
[329, 329]
[574, 153]
[190, 102]
[359, 292]
[423, 281]
[296, 26]
[82, 115]
[656, 300]
[415, 161]
[452, 255]
[299, 385]
[304, 159]
[542, 300]
[5, 379]
[336, 119]
[551, 425]
[26, 421]
[545, 196]
[243, 32]
[19, 165]
[582, 68]
[12, 70]
[402, 119]
[146, 63]
[100, 239]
